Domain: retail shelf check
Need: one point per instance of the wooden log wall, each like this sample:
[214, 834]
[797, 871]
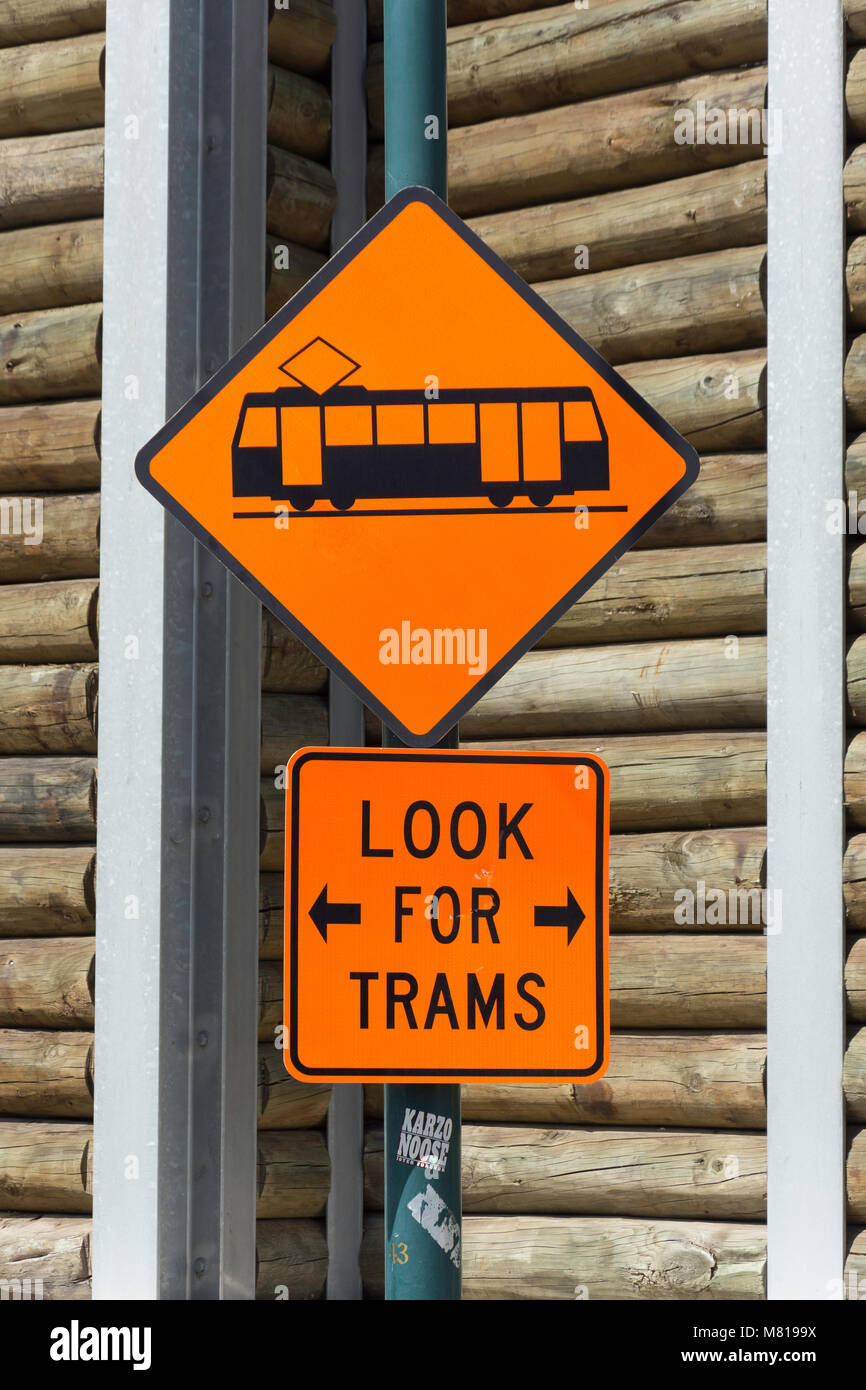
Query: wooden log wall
[571, 154]
[565, 159]
[51, 189]
[51, 139]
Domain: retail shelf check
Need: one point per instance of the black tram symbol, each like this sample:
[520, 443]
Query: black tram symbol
[302, 443]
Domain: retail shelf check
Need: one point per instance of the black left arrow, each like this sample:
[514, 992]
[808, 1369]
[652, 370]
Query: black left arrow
[325, 914]
[571, 916]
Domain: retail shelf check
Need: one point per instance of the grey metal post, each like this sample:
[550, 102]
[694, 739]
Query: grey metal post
[179, 745]
[345, 1220]
[805, 626]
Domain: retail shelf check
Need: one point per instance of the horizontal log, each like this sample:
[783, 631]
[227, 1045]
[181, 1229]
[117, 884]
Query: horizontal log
[656, 982]
[855, 1172]
[855, 95]
[590, 1257]
[45, 448]
[46, 87]
[51, 352]
[598, 145]
[283, 1102]
[630, 688]
[49, 1256]
[855, 667]
[291, 1256]
[49, 622]
[679, 882]
[46, 1073]
[302, 196]
[854, 1075]
[301, 35]
[603, 1172]
[287, 665]
[527, 62]
[467, 11]
[273, 820]
[290, 722]
[47, 799]
[47, 890]
[48, 709]
[718, 403]
[45, 267]
[47, 983]
[855, 979]
[293, 1173]
[291, 1260]
[857, 585]
[704, 303]
[633, 226]
[854, 189]
[855, 781]
[854, 882]
[271, 898]
[670, 593]
[270, 1000]
[48, 1167]
[51, 178]
[854, 1282]
[299, 113]
[69, 544]
[855, 465]
[33, 21]
[855, 281]
[287, 267]
[855, 19]
[49, 1073]
[710, 1080]
[727, 504]
[855, 383]
[688, 981]
[45, 1167]
[674, 781]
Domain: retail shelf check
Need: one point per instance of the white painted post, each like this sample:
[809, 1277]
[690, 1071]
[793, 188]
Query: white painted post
[805, 625]
[180, 659]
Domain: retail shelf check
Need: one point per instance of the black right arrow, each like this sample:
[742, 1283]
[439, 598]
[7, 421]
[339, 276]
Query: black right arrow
[571, 916]
[325, 914]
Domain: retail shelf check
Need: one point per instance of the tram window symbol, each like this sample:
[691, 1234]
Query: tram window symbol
[323, 439]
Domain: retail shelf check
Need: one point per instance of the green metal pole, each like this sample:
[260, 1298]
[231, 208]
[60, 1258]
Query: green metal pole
[416, 127]
[423, 1211]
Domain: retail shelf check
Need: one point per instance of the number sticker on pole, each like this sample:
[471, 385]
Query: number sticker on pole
[446, 916]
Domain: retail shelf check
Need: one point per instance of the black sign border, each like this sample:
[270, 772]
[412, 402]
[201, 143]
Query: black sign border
[279, 321]
[346, 755]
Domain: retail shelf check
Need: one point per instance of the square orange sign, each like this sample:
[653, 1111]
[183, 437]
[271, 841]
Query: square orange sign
[446, 916]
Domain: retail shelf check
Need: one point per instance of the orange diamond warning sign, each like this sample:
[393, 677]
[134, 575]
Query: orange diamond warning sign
[446, 916]
[417, 465]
